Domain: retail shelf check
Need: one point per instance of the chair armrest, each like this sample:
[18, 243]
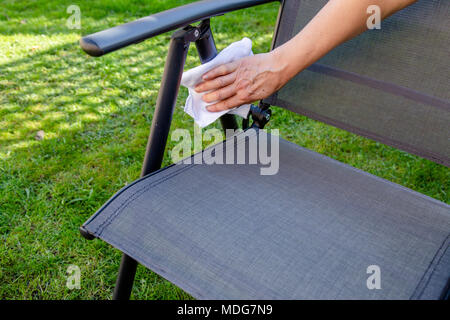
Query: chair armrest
[112, 39]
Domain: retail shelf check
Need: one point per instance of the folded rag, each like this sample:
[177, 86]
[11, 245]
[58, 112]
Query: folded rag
[195, 106]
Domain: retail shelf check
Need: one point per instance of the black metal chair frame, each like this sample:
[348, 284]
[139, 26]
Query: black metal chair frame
[106, 41]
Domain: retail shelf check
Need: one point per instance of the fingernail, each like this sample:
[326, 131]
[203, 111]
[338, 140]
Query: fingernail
[209, 108]
[205, 77]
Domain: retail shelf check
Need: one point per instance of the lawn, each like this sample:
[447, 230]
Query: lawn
[95, 115]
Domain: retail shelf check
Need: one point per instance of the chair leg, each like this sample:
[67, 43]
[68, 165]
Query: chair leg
[162, 118]
[228, 121]
[125, 278]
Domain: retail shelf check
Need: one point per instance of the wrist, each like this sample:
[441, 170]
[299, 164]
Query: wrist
[282, 65]
[288, 65]
[296, 55]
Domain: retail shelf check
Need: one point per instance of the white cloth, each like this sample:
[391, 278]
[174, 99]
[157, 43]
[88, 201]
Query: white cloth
[195, 106]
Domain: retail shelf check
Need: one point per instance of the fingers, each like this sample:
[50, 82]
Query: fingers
[220, 94]
[229, 103]
[217, 83]
[221, 70]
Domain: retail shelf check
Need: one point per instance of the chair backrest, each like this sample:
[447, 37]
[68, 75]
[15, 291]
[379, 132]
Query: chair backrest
[390, 85]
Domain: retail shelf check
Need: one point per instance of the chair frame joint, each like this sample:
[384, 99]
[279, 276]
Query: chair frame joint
[260, 115]
[86, 234]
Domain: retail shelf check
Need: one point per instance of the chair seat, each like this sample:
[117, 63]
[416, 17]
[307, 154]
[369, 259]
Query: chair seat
[309, 232]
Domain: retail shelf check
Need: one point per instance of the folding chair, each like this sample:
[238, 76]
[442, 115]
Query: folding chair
[316, 228]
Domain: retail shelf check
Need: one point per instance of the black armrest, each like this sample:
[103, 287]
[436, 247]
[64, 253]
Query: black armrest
[109, 40]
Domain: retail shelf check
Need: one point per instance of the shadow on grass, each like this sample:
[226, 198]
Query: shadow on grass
[96, 115]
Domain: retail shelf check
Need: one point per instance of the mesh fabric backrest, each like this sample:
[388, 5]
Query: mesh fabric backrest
[391, 85]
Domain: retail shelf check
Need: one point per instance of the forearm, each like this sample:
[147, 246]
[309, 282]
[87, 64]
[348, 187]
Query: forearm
[337, 21]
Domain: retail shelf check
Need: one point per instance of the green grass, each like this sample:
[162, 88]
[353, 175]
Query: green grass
[96, 114]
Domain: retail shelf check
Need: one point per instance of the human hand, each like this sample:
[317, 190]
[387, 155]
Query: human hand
[243, 81]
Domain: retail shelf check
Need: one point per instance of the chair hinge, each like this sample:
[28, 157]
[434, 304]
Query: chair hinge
[260, 115]
[192, 33]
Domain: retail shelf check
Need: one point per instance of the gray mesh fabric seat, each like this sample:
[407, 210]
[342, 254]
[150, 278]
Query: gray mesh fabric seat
[207, 229]
[318, 229]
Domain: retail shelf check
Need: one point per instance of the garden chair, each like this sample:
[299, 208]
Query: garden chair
[318, 228]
